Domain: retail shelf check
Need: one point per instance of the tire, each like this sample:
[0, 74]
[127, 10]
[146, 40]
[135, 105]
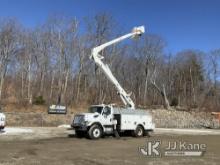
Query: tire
[138, 132]
[95, 132]
[79, 134]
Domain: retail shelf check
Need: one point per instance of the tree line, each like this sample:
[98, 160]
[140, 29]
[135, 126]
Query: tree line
[50, 63]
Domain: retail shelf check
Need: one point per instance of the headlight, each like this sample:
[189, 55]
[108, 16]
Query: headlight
[85, 122]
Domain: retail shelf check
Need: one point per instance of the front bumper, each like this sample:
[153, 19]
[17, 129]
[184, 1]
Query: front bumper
[79, 127]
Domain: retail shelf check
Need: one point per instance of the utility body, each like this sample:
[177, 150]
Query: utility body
[107, 119]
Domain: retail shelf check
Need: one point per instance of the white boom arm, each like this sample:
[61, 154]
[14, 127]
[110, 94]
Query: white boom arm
[137, 31]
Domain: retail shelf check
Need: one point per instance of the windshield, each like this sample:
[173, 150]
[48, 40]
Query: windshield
[95, 109]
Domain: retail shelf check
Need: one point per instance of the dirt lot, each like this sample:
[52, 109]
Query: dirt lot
[59, 146]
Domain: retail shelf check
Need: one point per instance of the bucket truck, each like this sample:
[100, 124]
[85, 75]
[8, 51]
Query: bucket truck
[108, 119]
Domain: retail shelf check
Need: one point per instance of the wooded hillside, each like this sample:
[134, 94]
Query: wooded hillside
[42, 64]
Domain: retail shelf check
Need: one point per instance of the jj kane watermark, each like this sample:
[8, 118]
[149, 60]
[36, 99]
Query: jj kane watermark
[172, 148]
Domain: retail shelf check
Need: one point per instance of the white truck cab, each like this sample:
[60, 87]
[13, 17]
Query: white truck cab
[106, 119]
[2, 121]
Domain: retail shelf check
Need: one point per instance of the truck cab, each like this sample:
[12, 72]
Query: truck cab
[106, 119]
[100, 116]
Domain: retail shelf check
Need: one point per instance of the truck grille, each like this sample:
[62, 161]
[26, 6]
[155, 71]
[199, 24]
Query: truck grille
[78, 119]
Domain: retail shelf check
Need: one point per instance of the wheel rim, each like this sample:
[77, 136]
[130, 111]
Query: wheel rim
[139, 132]
[96, 133]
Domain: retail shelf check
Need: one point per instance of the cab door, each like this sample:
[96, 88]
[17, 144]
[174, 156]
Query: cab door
[107, 118]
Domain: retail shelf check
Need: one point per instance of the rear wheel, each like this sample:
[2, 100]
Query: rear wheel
[95, 132]
[138, 132]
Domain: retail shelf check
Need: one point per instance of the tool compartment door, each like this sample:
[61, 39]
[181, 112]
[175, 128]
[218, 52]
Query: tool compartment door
[129, 121]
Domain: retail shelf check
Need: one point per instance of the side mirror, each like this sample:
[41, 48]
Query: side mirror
[105, 110]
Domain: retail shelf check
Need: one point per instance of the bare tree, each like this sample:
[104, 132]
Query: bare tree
[8, 47]
[214, 61]
[63, 31]
[99, 30]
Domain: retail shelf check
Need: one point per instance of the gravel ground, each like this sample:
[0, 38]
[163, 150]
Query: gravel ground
[59, 146]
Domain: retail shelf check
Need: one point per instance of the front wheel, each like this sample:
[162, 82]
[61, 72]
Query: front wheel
[95, 132]
[138, 132]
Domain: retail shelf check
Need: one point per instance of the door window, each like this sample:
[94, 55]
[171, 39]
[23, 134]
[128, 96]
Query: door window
[106, 111]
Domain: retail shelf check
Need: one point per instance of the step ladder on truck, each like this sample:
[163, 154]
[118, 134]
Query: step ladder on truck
[107, 119]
